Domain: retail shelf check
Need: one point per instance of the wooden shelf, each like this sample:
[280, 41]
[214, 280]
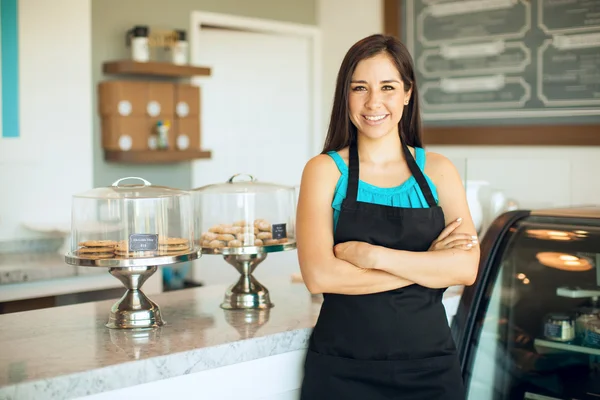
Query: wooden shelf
[155, 156]
[152, 68]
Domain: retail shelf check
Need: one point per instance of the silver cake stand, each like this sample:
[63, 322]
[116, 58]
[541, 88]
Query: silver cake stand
[134, 310]
[247, 293]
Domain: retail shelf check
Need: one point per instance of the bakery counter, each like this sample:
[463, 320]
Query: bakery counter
[35, 275]
[67, 352]
[32, 267]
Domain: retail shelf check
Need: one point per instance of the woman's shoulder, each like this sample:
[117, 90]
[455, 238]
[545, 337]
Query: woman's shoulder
[438, 167]
[320, 175]
[324, 163]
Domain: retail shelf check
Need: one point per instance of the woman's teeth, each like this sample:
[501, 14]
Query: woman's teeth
[375, 117]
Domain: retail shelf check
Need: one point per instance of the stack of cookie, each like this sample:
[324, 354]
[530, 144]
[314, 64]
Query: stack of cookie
[97, 249]
[170, 246]
[100, 249]
[240, 234]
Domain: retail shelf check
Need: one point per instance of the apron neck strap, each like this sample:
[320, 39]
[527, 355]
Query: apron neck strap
[354, 172]
[418, 174]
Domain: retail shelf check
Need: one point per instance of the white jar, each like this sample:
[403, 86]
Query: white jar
[179, 50]
[140, 50]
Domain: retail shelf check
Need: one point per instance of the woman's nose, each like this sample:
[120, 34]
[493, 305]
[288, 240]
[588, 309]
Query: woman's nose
[373, 100]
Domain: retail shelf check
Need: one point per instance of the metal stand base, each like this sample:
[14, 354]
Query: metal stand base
[134, 310]
[247, 293]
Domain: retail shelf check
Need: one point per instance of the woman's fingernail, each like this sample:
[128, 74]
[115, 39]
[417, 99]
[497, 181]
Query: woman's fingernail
[458, 219]
[469, 245]
[474, 236]
[474, 241]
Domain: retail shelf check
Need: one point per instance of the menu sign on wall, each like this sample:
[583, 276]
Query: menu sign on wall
[505, 58]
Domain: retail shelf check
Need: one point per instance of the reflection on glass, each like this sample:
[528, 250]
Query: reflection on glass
[538, 336]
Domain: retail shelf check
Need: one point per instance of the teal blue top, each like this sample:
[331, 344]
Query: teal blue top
[407, 195]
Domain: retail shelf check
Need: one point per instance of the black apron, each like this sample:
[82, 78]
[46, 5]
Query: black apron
[390, 345]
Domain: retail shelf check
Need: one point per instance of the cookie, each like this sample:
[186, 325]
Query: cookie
[172, 240]
[246, 237]
[209, 236]
[216, 244]
[216, 229]
[98, 243]
[264, 235]
[97, 256]
[88, 250]
[174, 247]
[122, 245]
[225, 237]
[234, 230]
[264, 226]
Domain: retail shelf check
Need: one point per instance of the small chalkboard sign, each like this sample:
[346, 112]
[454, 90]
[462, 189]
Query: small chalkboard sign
[279, 231]
[143, 242]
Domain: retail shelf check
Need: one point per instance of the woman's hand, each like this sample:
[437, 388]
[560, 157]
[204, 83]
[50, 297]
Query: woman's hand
[449, 240]
[357, 253]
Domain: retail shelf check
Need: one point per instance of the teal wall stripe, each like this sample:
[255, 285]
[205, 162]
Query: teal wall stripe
[9, 18]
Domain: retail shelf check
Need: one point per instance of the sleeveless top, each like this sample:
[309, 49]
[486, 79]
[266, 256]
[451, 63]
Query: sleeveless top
[407, 195]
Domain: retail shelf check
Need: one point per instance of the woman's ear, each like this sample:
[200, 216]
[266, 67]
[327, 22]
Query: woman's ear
[407, 95]
[409, 92]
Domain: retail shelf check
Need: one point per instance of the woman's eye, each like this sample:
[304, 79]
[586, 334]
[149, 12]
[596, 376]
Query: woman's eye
[358, 88]
[387, 87]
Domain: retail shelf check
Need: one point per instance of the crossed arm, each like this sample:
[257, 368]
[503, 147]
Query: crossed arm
[361, 268]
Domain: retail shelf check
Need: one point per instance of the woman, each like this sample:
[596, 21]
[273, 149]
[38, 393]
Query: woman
[382, 249]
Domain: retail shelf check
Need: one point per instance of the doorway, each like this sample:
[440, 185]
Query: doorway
[260, 112]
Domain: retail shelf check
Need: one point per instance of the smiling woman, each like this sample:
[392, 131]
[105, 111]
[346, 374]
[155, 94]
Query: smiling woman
[9, 62]
[382, 229]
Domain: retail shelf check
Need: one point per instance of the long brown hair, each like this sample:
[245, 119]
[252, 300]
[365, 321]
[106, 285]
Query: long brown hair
[341, 129]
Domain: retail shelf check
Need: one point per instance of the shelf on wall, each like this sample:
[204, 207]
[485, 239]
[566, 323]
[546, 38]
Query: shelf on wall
[155, 156]
[153, 68]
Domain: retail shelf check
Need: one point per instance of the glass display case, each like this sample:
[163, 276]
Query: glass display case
[243, 220]
[131, 220]
[131, 229]
[242, 213]
[530, 326]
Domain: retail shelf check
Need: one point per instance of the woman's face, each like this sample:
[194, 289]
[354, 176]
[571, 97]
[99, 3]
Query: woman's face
[377, 97]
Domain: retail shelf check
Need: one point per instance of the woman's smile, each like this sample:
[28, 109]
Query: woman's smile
[375, 119]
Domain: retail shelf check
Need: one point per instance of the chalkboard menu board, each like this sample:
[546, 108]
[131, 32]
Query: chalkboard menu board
[496, 59]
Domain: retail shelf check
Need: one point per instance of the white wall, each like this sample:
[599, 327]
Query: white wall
[343, 23]
[535, 176]
[52, 158]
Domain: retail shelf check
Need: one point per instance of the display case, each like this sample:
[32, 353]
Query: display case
[132, 229]
[530, 326]
[243, 220]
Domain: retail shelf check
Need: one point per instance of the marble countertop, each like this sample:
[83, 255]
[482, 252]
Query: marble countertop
[66, 352]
